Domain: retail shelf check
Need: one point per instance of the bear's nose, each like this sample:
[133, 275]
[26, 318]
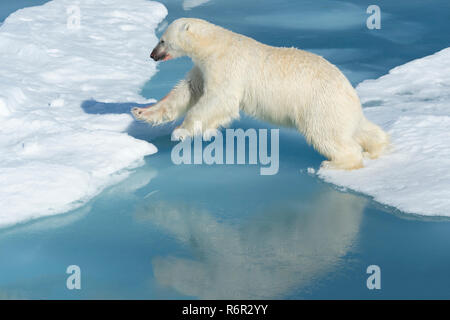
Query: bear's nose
[153, 55]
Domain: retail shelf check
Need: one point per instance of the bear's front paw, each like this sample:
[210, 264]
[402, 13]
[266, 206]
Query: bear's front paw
[180, 134]
[156, 115]
[142, 113]
[137, 113]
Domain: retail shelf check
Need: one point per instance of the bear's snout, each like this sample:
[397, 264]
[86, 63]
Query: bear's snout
[157, 54]
[153, 55]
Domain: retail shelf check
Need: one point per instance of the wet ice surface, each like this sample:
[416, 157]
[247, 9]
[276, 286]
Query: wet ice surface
[225, 231]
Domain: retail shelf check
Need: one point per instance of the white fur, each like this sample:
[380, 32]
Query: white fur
[286, 86]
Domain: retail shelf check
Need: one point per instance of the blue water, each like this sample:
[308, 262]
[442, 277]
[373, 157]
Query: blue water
[199, 231]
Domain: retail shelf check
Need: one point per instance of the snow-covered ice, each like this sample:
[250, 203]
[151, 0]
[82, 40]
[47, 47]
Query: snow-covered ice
[53, 155]
[412, 103]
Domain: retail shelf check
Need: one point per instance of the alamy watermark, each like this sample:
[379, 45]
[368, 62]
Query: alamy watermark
[73, 17]
[192, 150]
[374, 20]
[374, 280]
[74, 280]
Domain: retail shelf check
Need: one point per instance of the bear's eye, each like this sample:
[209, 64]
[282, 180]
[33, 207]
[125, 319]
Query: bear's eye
[162, 41]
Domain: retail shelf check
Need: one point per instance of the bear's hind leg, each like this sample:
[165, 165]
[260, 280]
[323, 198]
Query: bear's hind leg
[372, 139]
[345, 154]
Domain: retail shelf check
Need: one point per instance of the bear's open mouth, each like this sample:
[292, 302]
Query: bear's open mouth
[166, 57]
[155, 55]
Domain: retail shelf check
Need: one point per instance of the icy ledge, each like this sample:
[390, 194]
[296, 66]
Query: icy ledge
[412, 103]
[53, 155]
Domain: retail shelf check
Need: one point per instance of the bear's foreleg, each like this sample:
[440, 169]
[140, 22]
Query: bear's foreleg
[175, 104]
[207, 115]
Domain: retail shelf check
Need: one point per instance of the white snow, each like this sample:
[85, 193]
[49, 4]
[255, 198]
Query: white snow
[412, 103]
[53, 155]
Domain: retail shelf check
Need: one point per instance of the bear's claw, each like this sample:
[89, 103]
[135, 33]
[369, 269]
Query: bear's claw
[179, 134]
[137, 113]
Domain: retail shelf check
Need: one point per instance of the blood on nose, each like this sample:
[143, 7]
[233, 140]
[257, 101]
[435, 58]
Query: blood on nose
[153, 55]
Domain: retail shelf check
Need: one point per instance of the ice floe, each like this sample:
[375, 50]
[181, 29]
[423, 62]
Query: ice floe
[54, 156]
[412, 103]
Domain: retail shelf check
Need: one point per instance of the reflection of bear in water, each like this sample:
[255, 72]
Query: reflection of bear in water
[286, 248]
[285, 86]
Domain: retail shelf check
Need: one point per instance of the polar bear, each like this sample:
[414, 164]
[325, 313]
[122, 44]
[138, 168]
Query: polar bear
[285, 86]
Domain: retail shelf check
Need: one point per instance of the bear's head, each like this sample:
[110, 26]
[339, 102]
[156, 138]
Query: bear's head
[184, 36]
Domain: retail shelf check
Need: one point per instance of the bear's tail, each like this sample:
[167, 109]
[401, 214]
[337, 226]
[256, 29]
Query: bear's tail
[372, 138]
